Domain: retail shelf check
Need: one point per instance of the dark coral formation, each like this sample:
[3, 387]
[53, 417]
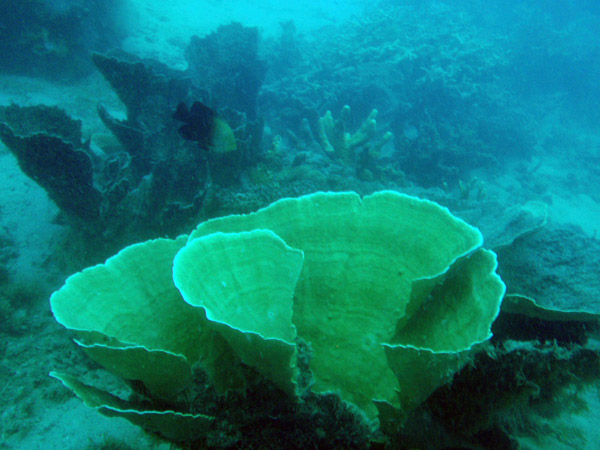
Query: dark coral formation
[147, 89]
[65, 172]
[433, 80]
[153, 182]
[227, 64]
[546, 265]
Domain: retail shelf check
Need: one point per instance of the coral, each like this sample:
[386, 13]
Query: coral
[556, 265]
[534, 372]
[432, 76]
[62, 170]
[148, 90]
[147, 181]
[226, 62]
[48, 119]
[474, 186]
[335, 139]
[365, 282]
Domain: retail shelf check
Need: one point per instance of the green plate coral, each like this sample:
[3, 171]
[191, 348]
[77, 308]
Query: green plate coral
[391, 292]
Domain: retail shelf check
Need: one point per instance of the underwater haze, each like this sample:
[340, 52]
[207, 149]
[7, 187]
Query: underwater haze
[307, 225]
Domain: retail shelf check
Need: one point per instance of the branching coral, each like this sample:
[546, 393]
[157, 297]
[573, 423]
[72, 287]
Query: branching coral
[339, 143]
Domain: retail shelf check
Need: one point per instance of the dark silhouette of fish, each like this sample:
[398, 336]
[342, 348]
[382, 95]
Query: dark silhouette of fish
[203, 125]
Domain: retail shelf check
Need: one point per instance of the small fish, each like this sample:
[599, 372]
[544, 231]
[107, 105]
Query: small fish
[203, 125]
